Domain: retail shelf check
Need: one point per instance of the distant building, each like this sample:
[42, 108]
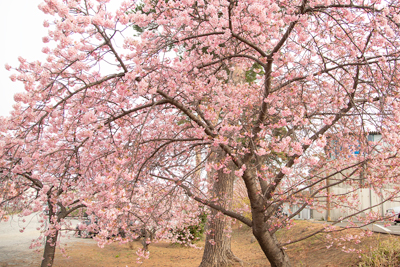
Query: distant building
[365, 195]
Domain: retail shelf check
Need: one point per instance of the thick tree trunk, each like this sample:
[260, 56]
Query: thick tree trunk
[217, 250]
[49, 250]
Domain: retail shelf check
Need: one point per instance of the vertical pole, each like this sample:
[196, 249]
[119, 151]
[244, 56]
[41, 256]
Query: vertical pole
[328, 190]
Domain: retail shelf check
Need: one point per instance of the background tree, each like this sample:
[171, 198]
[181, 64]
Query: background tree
[24, 190]
[148, 104]
[217, 249]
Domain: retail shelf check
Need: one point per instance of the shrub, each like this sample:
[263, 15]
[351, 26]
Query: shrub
[192, 233]
[386, 254]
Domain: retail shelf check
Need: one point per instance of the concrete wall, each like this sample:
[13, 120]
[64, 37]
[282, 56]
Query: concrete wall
[366, 198]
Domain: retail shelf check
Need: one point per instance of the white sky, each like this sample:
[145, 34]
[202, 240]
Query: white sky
[21, 31]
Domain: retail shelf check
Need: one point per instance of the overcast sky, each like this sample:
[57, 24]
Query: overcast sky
[21, 31]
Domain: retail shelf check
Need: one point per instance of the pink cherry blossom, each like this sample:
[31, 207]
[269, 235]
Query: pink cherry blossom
[125, 115]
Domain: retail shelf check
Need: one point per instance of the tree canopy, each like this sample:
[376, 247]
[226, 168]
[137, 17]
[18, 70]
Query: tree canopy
[126, 99]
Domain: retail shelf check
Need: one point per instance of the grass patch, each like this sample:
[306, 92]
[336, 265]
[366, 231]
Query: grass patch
[386, 254]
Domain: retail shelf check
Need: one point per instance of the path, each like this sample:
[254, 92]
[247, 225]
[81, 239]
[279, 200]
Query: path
[14, 245]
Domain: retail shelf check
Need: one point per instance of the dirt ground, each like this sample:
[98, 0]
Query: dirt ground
[312, 252]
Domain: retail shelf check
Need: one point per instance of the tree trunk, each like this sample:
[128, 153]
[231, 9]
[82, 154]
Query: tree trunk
[49, 250]
[276, 255]
[217, 250]
[268, 241]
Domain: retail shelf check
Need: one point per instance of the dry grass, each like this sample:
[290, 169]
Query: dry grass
[310, 252]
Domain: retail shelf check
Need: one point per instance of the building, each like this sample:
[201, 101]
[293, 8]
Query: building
[367, 198]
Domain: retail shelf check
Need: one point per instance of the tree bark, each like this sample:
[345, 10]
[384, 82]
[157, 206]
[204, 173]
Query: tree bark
[49, 250]
[217, 250]
[262, 220]
[269, 244]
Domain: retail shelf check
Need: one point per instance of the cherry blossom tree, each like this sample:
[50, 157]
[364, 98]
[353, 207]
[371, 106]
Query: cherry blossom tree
[50, 193]
[60, 185]
[136, 94]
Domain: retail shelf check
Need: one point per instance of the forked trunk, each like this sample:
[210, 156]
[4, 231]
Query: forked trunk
[49, 250]
[217, 250]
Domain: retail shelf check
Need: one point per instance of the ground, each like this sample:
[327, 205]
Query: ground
[313, 252]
